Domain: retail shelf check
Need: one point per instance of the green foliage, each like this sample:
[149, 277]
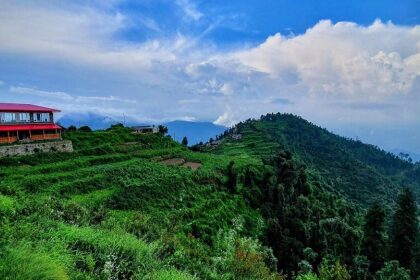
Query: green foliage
[22, 264]
[404, 230]
[184, 141]
[85, 129]
[307, 276]
[374, 243]
[162, 129]
[243, 258]
[232, 177]
[7, 206]
[393, 271]
[71, 128]
[171, 275]
[332, 270]
[114, 209]
[364, 173]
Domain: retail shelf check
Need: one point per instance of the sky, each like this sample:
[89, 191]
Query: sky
[352, 67]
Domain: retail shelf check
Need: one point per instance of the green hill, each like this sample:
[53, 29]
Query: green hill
[115, 209]
[126, 206]
[361, 172]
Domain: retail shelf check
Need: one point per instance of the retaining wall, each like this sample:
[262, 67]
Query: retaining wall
[64, 146]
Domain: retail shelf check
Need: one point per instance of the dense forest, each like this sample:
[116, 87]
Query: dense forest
[363, 173]
[275, 198]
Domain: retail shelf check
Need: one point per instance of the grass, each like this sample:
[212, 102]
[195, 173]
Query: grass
[110, 209]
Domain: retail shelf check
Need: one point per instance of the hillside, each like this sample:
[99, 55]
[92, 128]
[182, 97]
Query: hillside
[114, 209]
[126, 206]
[361, 172]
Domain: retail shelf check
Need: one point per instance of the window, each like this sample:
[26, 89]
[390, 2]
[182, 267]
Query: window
[8, 117]
[24, 117]
[45, 117]
[42, 117]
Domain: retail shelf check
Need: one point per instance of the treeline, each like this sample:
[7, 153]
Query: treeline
[317, 235]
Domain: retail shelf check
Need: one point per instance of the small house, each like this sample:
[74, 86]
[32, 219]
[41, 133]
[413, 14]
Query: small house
[25, 122]
[145, 129]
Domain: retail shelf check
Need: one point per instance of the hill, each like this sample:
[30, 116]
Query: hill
[123, 207]
[126, 206]
[361, 172]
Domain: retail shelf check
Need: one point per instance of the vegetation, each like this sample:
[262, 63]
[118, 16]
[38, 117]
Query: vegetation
[374, 242]
[405, 231]
[184, 141]
[363, 173]
[126, 206]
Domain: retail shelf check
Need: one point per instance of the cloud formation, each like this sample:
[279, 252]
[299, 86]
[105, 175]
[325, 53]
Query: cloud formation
[332, 73]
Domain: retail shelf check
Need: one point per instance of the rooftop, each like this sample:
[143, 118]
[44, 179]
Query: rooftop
[14, 107]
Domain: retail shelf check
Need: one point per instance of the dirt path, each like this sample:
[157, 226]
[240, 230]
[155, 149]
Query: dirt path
[193, 165]
[181, 162]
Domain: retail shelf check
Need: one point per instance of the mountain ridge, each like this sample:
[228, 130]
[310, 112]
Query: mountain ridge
[362, 172]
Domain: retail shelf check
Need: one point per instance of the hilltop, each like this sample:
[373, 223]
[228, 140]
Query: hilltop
[361, 172]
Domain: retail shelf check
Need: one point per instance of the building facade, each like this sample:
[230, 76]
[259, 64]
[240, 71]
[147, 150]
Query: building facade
[145, 129]
[25, 123]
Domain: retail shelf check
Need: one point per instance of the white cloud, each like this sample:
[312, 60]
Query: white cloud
[104, 98]
[1, 83]
[311, 74]
[41, 93]
[226, 119]
[343, 58]
[189, 9]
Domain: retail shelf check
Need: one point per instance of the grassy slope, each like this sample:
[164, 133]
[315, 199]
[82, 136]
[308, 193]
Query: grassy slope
[111, 209]
[362, 172]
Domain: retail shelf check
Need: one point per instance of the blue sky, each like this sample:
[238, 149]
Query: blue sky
[350, 66]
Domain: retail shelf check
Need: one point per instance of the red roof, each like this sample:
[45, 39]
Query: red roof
[28, 127]
[13, 107]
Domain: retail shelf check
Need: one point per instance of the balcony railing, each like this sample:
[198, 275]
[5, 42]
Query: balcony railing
[13, 139]
[10, 139]
[45, 137]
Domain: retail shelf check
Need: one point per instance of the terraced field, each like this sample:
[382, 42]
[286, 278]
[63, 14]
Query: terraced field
[111, 211]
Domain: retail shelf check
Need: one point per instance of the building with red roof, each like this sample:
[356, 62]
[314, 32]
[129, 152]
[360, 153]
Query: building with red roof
[25, 122]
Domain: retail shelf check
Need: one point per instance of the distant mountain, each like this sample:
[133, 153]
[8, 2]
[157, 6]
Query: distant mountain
[194, 131]
[361, 172]
[94, 121]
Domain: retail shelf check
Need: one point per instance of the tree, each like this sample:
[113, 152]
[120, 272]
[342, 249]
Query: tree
[374, 244]
[184, 141]
[85, 129]
[72, 128]
[232, 177]
[330, 269]
[392, 271]
[116, 126]
[404, 230]
[162, 129]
